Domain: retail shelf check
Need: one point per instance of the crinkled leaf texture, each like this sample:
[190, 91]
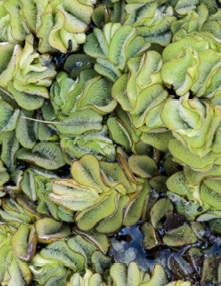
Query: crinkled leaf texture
[58, 24]
[99, 192]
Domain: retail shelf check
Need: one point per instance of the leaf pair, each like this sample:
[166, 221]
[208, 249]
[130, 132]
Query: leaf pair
[16, 248]
[203, 196]
[59, 24]
[194, 66]
[196, 123]
[152, 20]
[26, 74]
[112, 47]
[61, 258]
[99, 191]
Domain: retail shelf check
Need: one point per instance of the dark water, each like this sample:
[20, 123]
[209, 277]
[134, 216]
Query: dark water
[127, 246]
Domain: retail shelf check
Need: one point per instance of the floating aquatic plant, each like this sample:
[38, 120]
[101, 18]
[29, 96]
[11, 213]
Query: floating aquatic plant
[110, 160]
[18, 247]
[98, 186]
[113, 47]
[26, 74]
[58, 24]
[192, 63]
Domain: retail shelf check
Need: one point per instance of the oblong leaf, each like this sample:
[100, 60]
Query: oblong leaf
[80, 122]
[46, 155]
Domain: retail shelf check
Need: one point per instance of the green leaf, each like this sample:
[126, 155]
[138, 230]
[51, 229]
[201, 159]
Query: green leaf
[151, 238]
[29, 185]
[115, 177]
[158, 140]
[120, 40]
[49, 230]
[183, 156]
[9, 59]
[182, 7]
[101, 16]
[26, 130]
[119, 133]
[174, 72]
[18, 31]
[93, 96]
[190, 209]
[215, 185]
[47, 207]
[86, 171]
[180, 236]
[210, 196]
[105, 208]
[149, 98]
[10, 145]
[143, 166]
[47, 132]
[13, 270]
[158, 34]
[61, 252]
[8, 117]
[107, 69]
[194, 178]
[25, 100]
[135, 206]
[89, 279]
[80, 245]
[122, 276]
[96, 45]
[177, 184]
[99, 239]
[71, 195]
[60, 22]
[80, 121]
[100, 262]
[77, 63]
[113, 223]
[4, 176]
[161, 208]
[45, 155]
[24, 243]
[97, 143]
[159, 277]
